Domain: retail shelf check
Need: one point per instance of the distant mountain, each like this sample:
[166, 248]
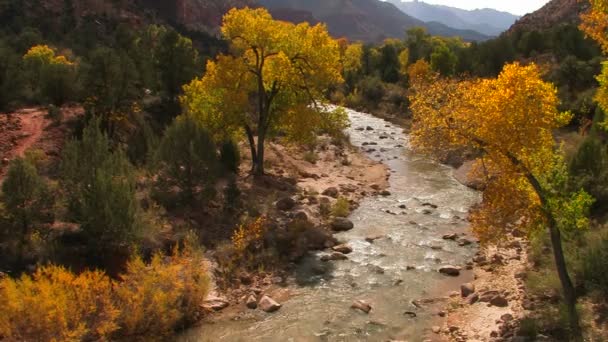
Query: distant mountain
[203, 15]
[554, 13]
[365, 20]
[486, 21]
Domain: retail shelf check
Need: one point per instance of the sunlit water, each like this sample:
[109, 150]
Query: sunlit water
[375, 272]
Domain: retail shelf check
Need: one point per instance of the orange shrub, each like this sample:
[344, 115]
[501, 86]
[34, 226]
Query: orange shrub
[155, 299]
[56, 305]
[150, 301]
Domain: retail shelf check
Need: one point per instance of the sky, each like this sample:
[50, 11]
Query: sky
[519, 7]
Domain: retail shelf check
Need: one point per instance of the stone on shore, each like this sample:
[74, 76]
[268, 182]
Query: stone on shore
[341, 224]
[361, 305]
[467, 289]
[344, 249]
[268, 304]
[450, 270]
[251, 302]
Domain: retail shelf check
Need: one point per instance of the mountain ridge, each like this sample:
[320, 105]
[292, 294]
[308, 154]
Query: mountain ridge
[486, 21]
[365, 20]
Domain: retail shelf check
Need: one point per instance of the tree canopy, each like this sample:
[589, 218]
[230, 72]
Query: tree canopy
[274, 80]
[509, 120]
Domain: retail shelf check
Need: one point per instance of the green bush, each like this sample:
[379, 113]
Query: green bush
[371, 89]
[55, 114]
[230, 156]
[27, 202]
[589, 168]
[595, 265]
[101, 192]
[187, 159]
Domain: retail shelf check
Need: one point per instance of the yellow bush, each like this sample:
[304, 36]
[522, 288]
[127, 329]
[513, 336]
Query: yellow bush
[151, 300]
[154, 299]
[341, 208]
[56, 305]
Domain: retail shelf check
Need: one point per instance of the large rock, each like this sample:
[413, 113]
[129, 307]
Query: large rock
[361, 305]
[499, 301]
[450, 270]
[286, 203]
[215, 304]
[251, 302]
[334, 256]
[268, 304]
[344, 249]
[341, 224]
[467, 289]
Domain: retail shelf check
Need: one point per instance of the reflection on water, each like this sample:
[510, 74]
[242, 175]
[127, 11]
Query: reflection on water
[425, 203]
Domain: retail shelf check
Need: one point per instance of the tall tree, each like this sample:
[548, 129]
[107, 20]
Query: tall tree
[595, 25]
[510, 121]
[100, 188]
[187, 158]
[27, 199]
[275, 80]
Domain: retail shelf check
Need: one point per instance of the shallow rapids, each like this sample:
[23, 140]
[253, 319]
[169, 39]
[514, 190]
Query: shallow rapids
[425, 203]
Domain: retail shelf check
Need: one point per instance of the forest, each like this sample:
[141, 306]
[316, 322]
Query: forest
[161, 184]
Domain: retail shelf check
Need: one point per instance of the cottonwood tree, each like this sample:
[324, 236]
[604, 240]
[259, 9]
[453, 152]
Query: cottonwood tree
[595, 25]
[274, 81]
[510, 121]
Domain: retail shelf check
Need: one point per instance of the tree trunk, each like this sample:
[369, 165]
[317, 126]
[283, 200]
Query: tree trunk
[254, 155]
[259, 165]
[564, 278]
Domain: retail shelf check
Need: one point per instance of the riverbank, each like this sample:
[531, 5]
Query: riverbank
[394, 250]
[300, 182]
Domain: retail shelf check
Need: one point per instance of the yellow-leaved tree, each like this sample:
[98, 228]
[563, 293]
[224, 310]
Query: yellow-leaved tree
[595, 25]
[275, 80]
[509, 120]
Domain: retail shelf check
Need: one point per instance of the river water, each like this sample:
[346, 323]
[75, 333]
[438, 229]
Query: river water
[426, 202]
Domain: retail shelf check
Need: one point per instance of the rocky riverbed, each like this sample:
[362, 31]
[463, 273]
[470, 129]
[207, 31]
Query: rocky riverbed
[383, 280]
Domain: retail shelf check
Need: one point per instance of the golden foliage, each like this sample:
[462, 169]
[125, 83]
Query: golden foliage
[150, 300]
[248, 234]
[43, 54]
[156, 298]
[404, 58]
[352, 60]
[56, 305]
[276, 71]
[595, 22]
[511, 119]
[420, 73]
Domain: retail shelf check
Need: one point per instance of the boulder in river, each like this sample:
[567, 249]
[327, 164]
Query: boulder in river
[452, 237]
[450, 270]
[373, 238]
[361, 305]
[334, 256]
[268, 304]
[385, 193]
[342, 224]
[344, 249]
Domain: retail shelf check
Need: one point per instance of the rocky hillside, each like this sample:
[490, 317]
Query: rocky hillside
[195, 14]
[554, 13]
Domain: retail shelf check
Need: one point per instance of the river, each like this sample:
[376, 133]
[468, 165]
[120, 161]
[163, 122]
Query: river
[426, 202]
